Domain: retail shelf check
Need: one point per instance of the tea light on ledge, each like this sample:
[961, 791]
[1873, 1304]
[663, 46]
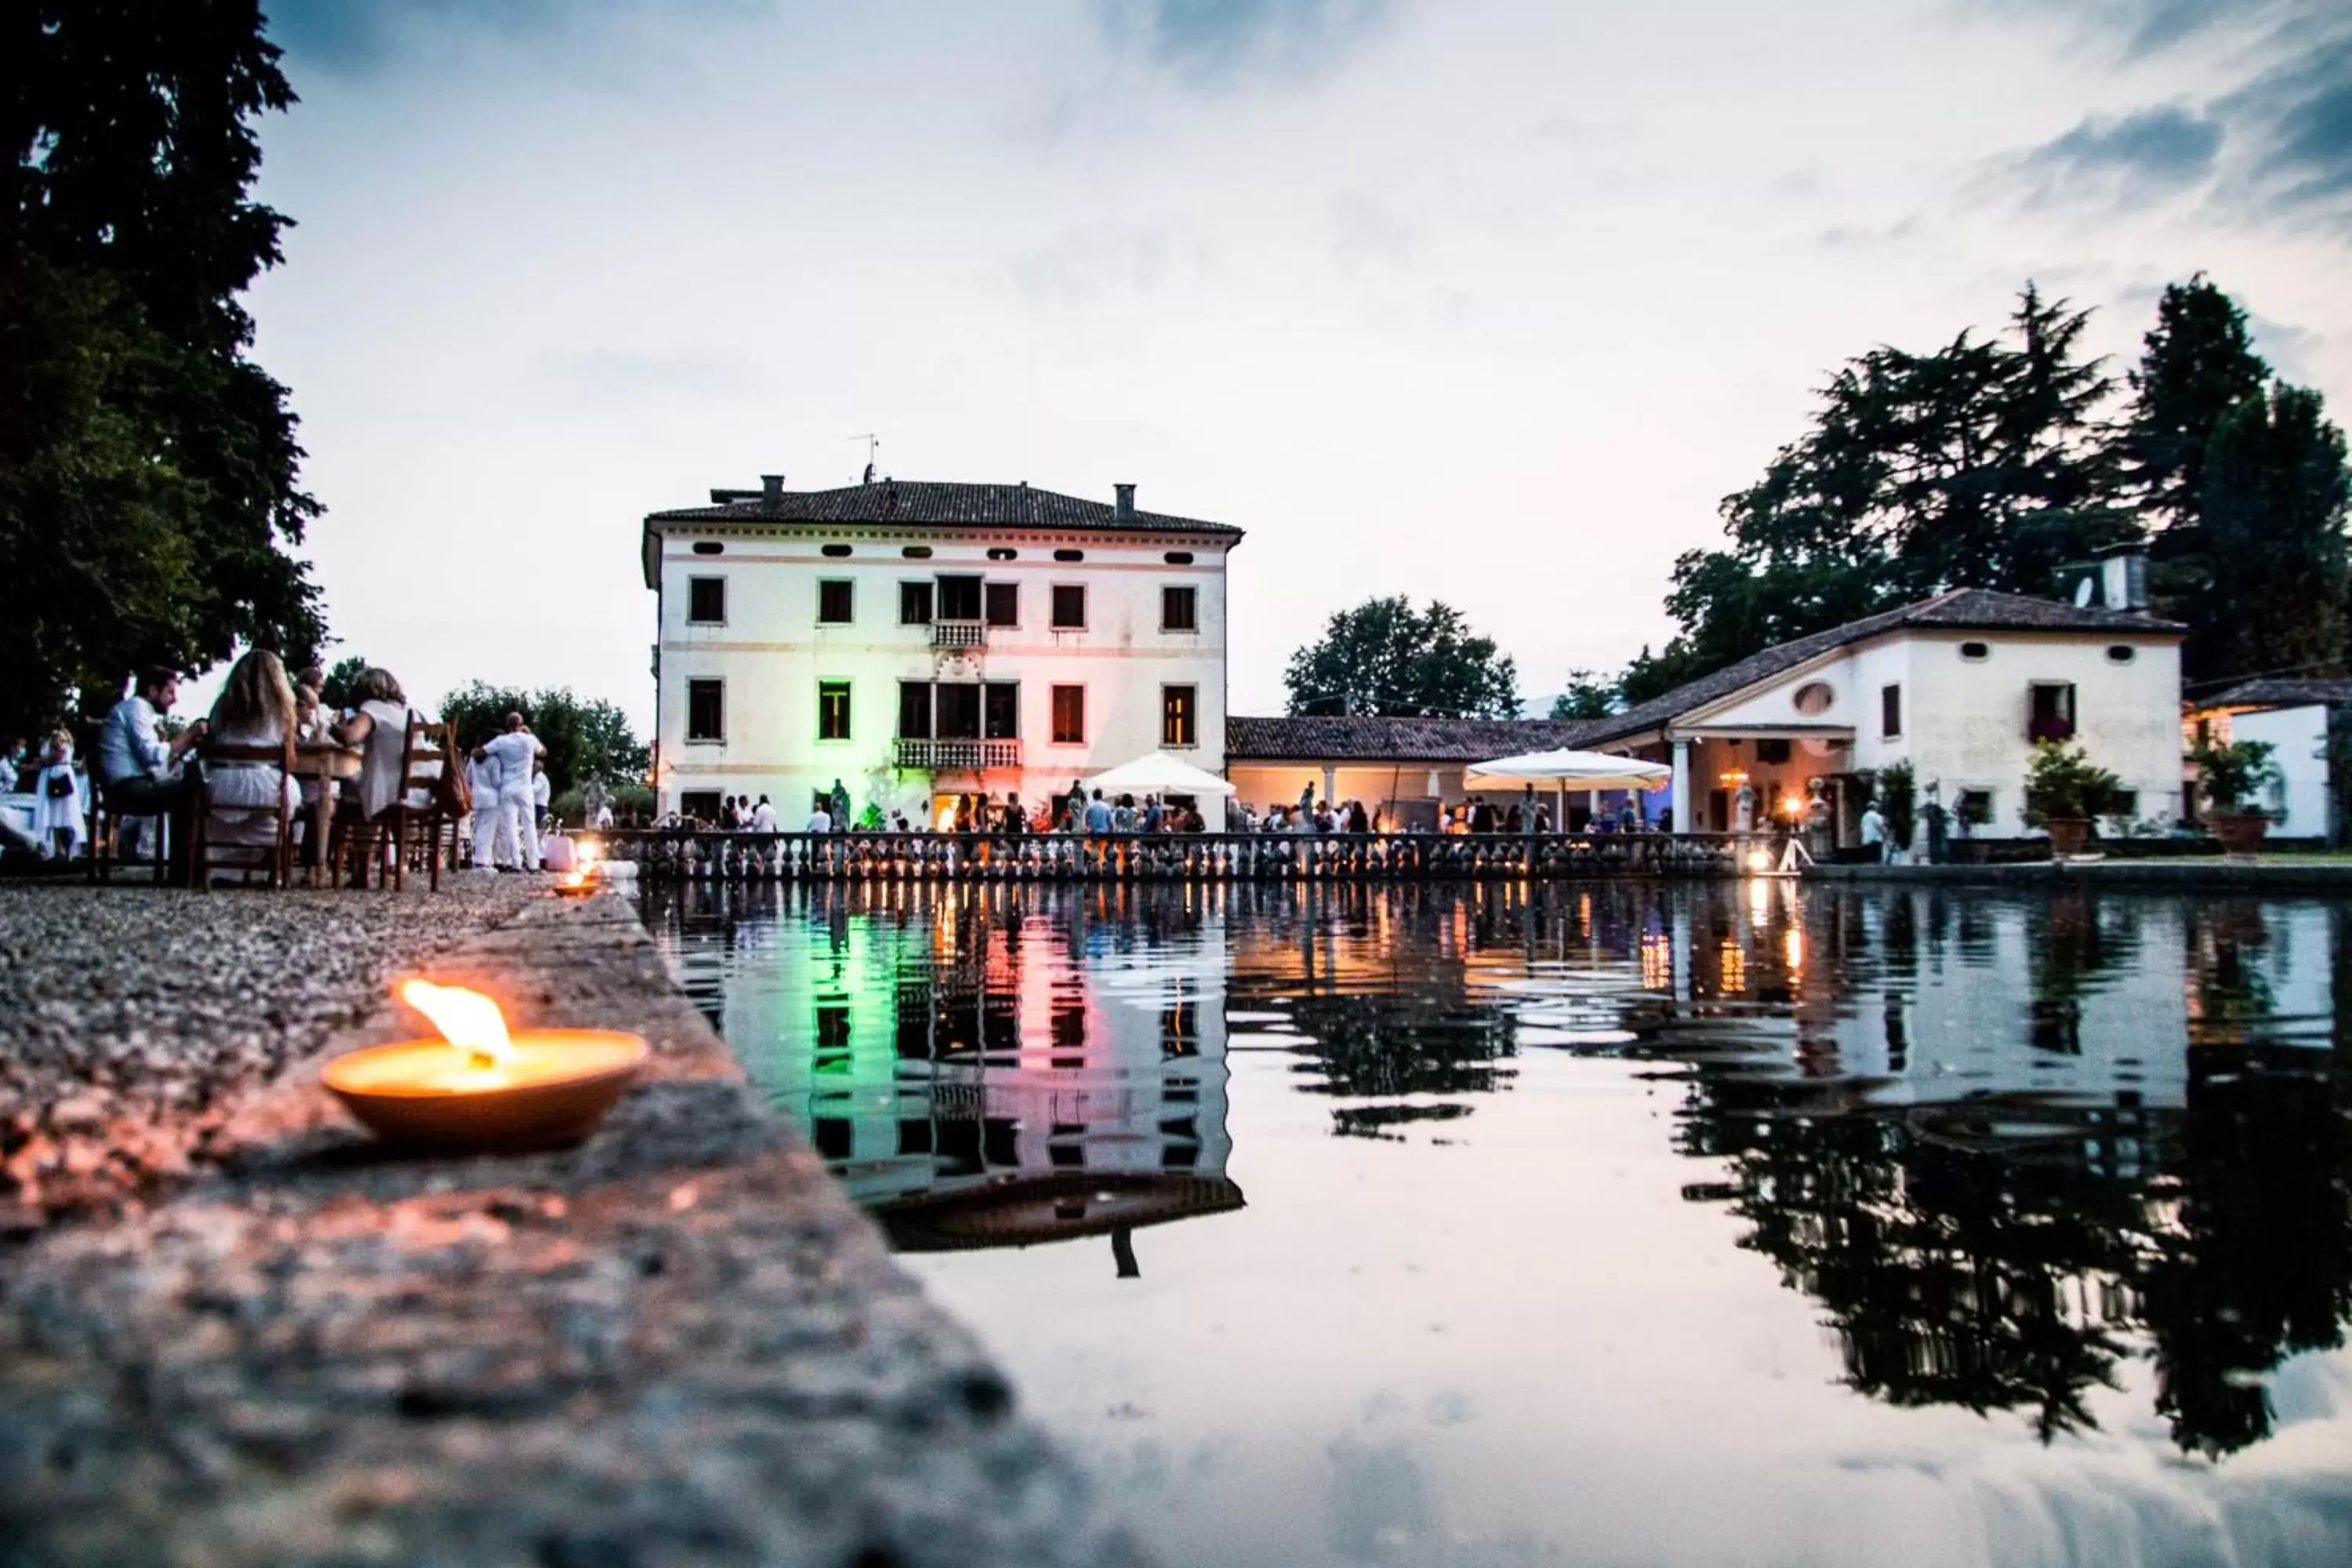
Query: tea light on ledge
[477, 1086]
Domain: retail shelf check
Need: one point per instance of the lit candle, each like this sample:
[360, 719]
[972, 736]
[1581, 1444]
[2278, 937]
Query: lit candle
[478, 1085]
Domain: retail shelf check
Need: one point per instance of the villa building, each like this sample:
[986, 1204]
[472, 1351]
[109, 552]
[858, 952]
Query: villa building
[921, 641]
[2293, 717]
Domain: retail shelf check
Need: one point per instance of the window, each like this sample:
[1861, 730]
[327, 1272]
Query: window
[915, 710]
[832, 1027]
[917, 551]
[1003, 604]
[2121, 653]
[1069, 555]
[914, 604]
[1179, 715]
[1975, 652]
[833, 710]
[836, 602]
[1772, 749]
[1179, 558]
[1000, 553]
[1180, 609]
[1973, 807]
[702, 804]
[706, 710]
[1069, 608]
[1815, 697]
[957, 709]
[709, 547]
[958, 598]
[1000, 718]
[836, 551]
[1069, 715]
[705, 600]
[2053, 712]
[1890, 711]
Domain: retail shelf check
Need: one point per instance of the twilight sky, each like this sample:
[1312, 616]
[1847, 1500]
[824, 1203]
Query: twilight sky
[1487, 300]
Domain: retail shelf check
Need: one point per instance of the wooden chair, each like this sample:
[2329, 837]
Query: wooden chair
[205, 856]
[407, 829]
[106, 840]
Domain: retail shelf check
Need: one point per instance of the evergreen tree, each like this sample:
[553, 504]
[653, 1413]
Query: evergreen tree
[148, 469]
[2273, 523]
[1385, 658]
[1587, 697]
[2197, 363]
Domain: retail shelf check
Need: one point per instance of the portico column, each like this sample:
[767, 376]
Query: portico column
[1682, 785]
[1330, 782]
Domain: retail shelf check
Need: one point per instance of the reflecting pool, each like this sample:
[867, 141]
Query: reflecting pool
[1715, 1223]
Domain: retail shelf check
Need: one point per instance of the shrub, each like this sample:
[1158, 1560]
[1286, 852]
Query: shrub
[2062, 782]
[1897, 793]
[2229, 776]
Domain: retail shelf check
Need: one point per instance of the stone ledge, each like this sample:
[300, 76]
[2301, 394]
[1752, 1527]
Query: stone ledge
[677, 1343]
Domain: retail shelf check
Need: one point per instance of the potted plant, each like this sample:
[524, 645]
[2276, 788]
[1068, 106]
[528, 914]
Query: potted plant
[2230, 776]
[1898, 801]
[2063, 790]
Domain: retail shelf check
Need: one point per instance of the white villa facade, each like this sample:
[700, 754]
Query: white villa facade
[921, 641]
[2290, 716]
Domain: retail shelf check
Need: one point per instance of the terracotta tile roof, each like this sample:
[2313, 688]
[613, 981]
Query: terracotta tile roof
[922, 503]
[2274, 693]
[1374, 740]
[1962, 609]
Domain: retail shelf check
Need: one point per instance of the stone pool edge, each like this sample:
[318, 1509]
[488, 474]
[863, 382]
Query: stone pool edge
[680, 1341]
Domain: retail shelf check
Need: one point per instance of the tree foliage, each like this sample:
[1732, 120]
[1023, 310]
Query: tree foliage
[1386, 657]
[590, 738]
[1996, 462]
[148, 468]
[1588, 696]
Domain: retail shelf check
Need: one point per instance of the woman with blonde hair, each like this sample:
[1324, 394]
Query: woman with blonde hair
[256, 709]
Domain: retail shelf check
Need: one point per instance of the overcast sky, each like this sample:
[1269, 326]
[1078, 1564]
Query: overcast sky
[1490, 302]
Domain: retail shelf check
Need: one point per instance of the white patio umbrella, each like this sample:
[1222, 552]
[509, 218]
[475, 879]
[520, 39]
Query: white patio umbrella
[1156, 773]
[1562, 771]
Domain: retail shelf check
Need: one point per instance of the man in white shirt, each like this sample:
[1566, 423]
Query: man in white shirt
[819, 820]
[138, 772]
[541, 791]
[490, 847]
[763, 816]
[512, 754]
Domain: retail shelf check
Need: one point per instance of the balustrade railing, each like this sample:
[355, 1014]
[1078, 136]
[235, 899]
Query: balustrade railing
[948, 756]
[693, 853]
[958, 634]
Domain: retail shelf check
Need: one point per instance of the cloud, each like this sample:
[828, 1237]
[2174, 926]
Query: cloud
[1085, 265]
[2150, 26]
[2300, 112]
[1215, 43]
[2146, 152]
[1364, 230]
[356, 36]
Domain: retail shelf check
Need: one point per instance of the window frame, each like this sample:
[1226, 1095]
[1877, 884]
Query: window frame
[1053, 621]
[825, 687]
[1890, 705]
[940, 597]
[696, 583]
[979, 709]
[1054, 713]
[1191, 592]
[988, 595]
[929, 708]
[849, 586]
[1191, 739]
[987, 690]
[717, 685]
[910, 587]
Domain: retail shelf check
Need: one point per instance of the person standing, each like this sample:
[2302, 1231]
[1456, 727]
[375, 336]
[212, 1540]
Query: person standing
[542, 793]
[1873, 833]
[514, 752]
[492, 848]
[58, 818]
[763, 816]
[837, 807]
[820, 818]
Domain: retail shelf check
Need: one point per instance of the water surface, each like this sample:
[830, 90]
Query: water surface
[1721, 1223]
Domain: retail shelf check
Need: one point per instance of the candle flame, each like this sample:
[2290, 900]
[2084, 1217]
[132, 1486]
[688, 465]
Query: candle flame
[467, 1020]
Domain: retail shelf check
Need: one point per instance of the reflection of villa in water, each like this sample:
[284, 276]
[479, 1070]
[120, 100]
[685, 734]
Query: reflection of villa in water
[976, 1075]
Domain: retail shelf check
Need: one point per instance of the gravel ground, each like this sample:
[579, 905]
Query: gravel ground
[677, 1343]
[130, 1017]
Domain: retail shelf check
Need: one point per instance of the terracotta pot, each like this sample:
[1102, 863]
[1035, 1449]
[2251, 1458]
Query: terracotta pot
[2240, 832]
[2067, 835]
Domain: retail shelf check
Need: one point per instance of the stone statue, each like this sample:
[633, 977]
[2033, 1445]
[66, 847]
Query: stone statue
[1743, 808]
[1821, 830]
[1932, 826]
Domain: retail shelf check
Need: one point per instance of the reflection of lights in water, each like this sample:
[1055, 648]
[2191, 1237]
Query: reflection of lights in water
[1733, 962]
[1792, 948]
[1760, 901]
[1657, 960]
[1760, 860]
[1584, 917]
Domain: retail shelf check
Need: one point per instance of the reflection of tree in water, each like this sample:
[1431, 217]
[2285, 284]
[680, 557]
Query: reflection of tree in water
[1951, 1278]
[1995, 1255]
[1389, 1047]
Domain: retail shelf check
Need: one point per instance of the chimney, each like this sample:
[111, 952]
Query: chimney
[1123, 510]
[2123, 576]
[771, 491]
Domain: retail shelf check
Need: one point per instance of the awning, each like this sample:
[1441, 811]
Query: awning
[1567, 770]
[1156, 773]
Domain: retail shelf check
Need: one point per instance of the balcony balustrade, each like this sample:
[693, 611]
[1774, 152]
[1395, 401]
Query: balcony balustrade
[957, 755]
[958, 634]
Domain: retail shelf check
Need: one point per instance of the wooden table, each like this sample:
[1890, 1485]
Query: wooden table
[325, 761]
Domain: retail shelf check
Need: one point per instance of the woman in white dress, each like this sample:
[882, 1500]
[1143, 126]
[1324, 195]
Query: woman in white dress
[256, 708]
[60, 820]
